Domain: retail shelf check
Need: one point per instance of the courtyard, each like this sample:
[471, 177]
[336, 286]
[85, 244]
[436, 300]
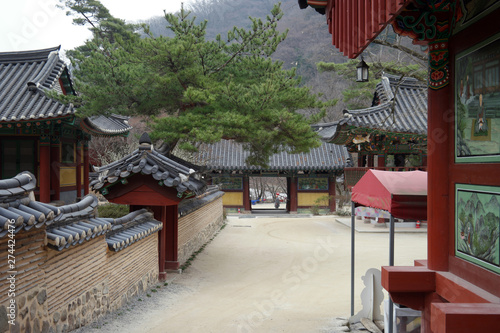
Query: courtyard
[266, 274]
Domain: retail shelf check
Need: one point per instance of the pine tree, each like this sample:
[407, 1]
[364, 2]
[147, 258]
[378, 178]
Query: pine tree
[193, 89]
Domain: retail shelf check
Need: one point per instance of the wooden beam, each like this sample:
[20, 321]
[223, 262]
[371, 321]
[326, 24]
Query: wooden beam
[409, 279]
[464, 317]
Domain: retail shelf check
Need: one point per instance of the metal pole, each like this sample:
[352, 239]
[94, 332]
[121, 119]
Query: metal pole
[391, 263]
[353, 219]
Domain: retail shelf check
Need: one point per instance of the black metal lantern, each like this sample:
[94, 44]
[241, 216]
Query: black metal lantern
[362, 71]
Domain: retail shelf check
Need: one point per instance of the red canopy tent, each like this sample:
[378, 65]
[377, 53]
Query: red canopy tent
[403, 194]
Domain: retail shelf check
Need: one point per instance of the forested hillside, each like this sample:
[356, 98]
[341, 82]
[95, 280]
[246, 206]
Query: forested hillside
[308, 41]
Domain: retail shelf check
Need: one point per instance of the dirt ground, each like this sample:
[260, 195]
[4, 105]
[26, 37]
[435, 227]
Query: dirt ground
[268, 275]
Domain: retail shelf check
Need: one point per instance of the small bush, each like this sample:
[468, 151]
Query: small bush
[112, 210]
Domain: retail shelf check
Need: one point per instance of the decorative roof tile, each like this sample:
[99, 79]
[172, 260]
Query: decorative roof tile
[147, 161]
[131, 228]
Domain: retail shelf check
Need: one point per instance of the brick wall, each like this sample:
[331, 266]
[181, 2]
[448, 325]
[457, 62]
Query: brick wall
[63, 290]
[198, 227]
[132, 270]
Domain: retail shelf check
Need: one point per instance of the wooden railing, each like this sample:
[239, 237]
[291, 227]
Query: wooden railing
[353, 175]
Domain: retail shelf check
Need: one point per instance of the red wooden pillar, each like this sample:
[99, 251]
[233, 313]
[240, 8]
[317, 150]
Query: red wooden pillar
[424, 160]
[161, 242]
[331, 193]
[55, 166]
[44, 174]
[292, 194]
[78, 169]
[361, 160]
[246, 194]
[171, 229]
[381, 161]
[371, 160]
[86, 168]
[438, 139]
[159, 213]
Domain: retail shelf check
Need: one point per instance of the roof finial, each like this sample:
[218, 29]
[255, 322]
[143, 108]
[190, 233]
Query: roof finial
[145, 142]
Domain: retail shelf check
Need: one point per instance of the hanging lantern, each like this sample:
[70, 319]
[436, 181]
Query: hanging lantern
[362, 71]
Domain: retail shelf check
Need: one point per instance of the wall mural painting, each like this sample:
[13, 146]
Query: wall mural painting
[477, 224]
[477, 103]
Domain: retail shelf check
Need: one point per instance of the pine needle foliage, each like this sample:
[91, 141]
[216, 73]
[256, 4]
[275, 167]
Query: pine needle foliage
[194, 90]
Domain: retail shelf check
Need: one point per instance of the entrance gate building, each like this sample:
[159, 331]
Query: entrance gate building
[310, 176]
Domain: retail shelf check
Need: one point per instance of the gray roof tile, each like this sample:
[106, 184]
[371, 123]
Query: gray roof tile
[147, 161]
[23, 78]
[131, 228]
[67, 225]
[108, 125]
[228, 155]
[402, 108]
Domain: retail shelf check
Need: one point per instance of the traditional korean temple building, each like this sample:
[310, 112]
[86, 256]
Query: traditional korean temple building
[41, 135]
[309, 175]
[393, 129]
[456, 287]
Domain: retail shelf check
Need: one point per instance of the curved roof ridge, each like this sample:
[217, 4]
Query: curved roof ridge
[45, 71]
[30, 55]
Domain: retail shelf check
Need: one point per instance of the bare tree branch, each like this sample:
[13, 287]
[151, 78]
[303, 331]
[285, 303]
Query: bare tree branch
[422, 57]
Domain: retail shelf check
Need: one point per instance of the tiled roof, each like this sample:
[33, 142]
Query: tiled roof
[24, 76]
[402, 108]
[66, 225]
[131, 228]
[107, 125]
[146, 160]
[228, 155]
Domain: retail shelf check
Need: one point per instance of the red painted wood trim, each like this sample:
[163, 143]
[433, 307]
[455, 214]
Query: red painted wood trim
[172, 265]
[480, 277]
[44, 177]
[55, 183]
[86, 170]
[78, 170]
[381, 160]
[408, 279]
[464, 318]
[368, 20]
[355, 26]
[246, 194]
[382, 13]
[438, 141]
[171, 246]
[293, 194]
[332, 193]
[162, 195]
[456, 290]
[361, 25]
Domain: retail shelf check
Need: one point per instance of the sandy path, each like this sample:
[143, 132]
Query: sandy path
[266, 275]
